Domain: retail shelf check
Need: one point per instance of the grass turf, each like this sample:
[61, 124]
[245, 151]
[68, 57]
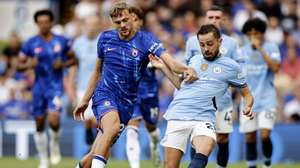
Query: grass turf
[10, 162]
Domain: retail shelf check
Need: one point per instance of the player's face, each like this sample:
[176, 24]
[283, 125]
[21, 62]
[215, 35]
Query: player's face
[255, 34]
[209, 45]
[44, 23]
[124, 24]
[214, 17]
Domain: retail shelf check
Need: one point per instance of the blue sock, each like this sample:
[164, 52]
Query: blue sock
[192, 153]
[251, 154]
[223, 154]
[199, 161]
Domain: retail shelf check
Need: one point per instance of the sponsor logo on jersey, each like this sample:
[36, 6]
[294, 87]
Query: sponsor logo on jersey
[204, 67]
[38, 50]
[217, 70]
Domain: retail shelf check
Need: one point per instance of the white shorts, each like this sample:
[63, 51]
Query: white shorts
[88, 112]
[261, 120]
[178, 133]
[224, 121]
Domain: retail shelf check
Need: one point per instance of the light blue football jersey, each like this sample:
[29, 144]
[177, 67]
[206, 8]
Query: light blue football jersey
[86, 52]
[196, 101]
[229, 48]
[259, 76]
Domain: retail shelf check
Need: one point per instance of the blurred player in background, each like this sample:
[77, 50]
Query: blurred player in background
[123, 57]
[48, 54]
[228, 48]
[262, 62]
[191, 114]
[146, 108]
[85, 48]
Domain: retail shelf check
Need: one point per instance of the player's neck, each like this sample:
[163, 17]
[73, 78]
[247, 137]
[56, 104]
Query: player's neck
[46, 36]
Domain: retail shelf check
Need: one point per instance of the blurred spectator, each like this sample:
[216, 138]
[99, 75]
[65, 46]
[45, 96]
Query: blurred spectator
[86, 8]
[271, 8]
[292, 108]
[250, 12]
[289, 9]
[274, 32]
[296, 32]
[11, 51]
[289, 42]
[291, 65]
[228, 29]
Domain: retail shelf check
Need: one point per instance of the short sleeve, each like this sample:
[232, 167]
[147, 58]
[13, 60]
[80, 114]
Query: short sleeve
[237, 77]
[153, 45]
[67, 45]
[26, 50]
[100, 46]
[274, 52]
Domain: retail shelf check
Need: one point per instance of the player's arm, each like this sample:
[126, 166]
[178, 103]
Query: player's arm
[24, 62]
[272, 64]
[72, 59]
[179, 68]
[96, 76]
[248, 99]
[158, 63]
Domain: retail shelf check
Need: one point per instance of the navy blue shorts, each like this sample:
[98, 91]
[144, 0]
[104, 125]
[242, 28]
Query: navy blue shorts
[147, 108]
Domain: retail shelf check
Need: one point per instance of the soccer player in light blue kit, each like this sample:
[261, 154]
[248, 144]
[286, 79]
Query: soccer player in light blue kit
[262, 62]
[191, 114]
[47, 54]
[146, 108]
[229, 48]
[85, 48]
[122, 58]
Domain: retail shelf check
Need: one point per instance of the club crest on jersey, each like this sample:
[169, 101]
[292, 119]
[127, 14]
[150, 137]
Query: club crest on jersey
[204, 67]
[217, 70]
[106, 103]
[57, 48]
[38, 50]
[134, 52]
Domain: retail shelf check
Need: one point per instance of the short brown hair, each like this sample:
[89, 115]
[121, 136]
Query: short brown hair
[136, 10]
[117, 9]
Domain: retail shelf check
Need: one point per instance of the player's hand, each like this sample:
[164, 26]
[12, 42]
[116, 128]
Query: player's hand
[34, 62]
[248, 112]
[190, 75]
[78, 113]
[156, 61]
[57, 64]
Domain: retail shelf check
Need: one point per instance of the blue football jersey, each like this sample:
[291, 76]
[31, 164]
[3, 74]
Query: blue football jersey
[260, 77]
[47, 79]
[196, 101]
[228, 48]
[124, 63]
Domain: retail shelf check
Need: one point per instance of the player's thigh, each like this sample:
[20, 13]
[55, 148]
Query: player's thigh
[177, 134]
[172, 157]
[248, 124]
[266, 119]
[224, 121]
[39, 104]
[150, 110]
[203, 137]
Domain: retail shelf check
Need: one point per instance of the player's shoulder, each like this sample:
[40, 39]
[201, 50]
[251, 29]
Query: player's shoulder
[32, 39]
[270, 44]
[192, 39]
[228, 39]
[228, 62]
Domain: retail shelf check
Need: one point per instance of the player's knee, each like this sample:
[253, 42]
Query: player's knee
[264, 135]
[54, 126]
[222, 138]
[40, 127]
[251, 137]
[112, 131]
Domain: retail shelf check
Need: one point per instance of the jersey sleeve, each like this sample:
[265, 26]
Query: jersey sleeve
[274, 52]
[237, 77]
[153, 45]
[100, 46]
[26, 50]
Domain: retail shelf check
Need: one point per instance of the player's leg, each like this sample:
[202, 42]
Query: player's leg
[266, 121]
[54, 109]
[175, 141]
[89, 125]
[223, 128]
[40, 137]
[248, 127]
[132, 142]
[111, 126]
[203, 139]
[149, 108]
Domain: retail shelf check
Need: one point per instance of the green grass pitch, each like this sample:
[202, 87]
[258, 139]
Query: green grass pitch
[10, 162]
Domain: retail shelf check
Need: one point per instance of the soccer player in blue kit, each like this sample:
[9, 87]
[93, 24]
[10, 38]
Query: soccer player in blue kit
[191, 114]
[47, 54]
[262, 62]
[146, 108]
[123, 56]
[229, 48]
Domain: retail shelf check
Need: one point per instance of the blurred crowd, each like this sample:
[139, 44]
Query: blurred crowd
[173, 21]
